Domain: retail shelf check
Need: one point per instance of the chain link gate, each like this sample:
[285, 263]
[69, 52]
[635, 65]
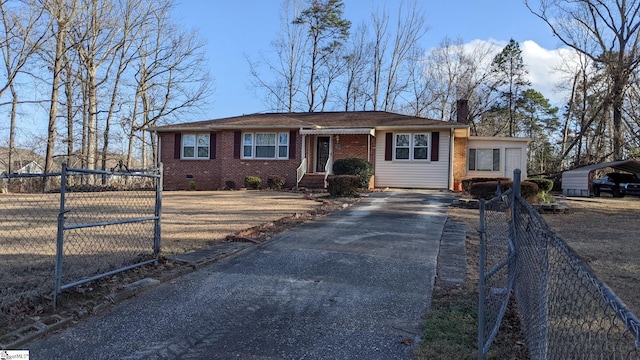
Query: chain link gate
[109, 222]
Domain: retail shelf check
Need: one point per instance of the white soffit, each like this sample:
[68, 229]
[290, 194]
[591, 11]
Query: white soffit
[342, 131]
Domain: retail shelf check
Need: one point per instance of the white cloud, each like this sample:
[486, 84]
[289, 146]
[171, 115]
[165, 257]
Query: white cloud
[543, 65]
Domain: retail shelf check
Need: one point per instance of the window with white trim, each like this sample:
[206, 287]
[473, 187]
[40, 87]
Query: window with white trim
[411, 146]
[265, 145]
[484, 160]
[195, 146]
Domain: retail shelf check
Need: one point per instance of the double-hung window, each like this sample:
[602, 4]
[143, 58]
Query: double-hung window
[265, 145]
[195, 146]
[411, 146]
[484, 159]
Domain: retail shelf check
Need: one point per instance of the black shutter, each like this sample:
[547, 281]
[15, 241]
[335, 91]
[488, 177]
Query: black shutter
[237, 143]
[177, 146]
[435, 144]
[388, 147]
[292, 144]
[212, 145]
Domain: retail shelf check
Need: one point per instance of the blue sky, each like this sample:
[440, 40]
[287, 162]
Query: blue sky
[235, 28]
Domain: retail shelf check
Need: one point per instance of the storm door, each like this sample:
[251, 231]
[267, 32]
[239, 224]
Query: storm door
[322, 152]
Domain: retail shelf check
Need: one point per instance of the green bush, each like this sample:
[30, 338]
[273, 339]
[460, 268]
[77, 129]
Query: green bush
[276, 182]
[468, 183]
[354, 166]
[545, 185]
[487, 190]
[343, 185]
[252, 182]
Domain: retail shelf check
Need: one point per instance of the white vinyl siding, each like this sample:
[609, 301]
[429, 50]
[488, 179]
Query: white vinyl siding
[413, 174]
[494, 165]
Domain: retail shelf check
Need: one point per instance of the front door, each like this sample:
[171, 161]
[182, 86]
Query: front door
[513, 159]
[322, 152]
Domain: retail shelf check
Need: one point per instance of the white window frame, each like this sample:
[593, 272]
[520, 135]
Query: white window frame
[195, 142]
[249, 145]
[495, 167]
[412, 146]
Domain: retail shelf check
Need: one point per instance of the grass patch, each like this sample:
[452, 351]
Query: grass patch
[451, 331]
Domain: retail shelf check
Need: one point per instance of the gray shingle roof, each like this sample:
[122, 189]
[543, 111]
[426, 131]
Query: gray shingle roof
[355, 119]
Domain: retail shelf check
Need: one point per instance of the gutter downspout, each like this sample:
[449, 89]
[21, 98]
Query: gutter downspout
[451, 158]
[369, 147]
[159, 149]
[303, 145]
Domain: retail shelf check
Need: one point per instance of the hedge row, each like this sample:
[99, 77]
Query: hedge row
[488, 189]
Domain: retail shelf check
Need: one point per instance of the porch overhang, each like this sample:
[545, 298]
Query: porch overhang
[339, 131]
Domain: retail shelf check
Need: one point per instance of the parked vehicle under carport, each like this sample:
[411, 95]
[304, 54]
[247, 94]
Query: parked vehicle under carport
[617, 184]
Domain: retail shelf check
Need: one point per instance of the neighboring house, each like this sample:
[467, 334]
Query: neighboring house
[27, 167]
[406, 151]
[23, 162]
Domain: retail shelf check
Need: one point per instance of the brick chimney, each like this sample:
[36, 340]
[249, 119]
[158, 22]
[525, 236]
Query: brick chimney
[462, 111]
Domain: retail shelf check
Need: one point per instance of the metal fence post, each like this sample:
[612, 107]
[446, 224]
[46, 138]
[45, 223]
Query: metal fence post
[481, 281]
[517, 178]
[158, 213]
[60, 235]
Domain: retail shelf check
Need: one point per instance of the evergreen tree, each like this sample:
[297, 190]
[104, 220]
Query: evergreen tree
[539, 123]
[327, 29]
[510, 80]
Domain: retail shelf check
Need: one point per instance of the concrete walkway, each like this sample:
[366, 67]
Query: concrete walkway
[353, 285]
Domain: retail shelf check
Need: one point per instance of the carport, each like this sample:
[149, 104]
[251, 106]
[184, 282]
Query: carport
[577, 182]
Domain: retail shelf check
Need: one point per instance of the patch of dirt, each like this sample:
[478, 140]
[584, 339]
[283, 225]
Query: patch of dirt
[191, 221]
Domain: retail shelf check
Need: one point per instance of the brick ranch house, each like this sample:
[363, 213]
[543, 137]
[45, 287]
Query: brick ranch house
[406, 151]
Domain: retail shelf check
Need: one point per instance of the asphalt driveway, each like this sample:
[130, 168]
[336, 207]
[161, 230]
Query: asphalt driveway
[353, 285]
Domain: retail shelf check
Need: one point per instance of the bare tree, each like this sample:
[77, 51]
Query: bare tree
[409, 31]
[63, 13]
[605, 31]
[94, 41]
[24, 32]
[356, 66]
[458, 71]
[380, 20]
[283, 91]
[171, 76]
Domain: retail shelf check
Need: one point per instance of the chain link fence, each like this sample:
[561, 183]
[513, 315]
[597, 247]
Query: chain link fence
[61, 230]
[28, 230]
[565, 311]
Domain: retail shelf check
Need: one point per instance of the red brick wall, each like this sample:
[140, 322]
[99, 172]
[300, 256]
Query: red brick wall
[352, 146]
[459, 159]
[212, 174]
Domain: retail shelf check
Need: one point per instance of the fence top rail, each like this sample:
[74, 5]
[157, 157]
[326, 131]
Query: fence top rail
[16, 176]
[104, 172]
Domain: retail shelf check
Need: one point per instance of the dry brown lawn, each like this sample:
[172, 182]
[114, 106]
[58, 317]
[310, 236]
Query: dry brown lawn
[605, 232]
[195, 219]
